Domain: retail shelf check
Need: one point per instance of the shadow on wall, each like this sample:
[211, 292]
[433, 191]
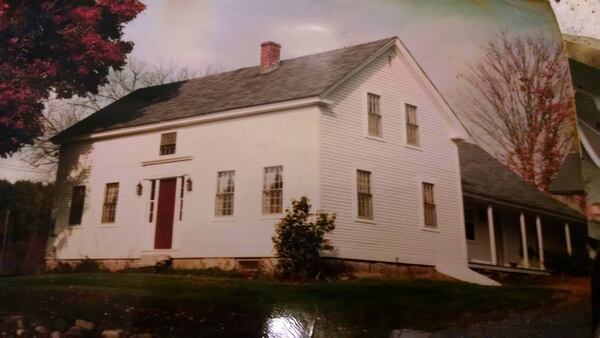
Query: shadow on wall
[73, 170]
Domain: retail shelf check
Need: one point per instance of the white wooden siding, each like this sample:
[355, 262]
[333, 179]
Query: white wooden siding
[396, 233]
[479, 248]
[244, 144]
[320, 150]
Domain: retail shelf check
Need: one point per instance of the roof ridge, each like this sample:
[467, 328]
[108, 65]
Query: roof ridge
[242, 87]
[283, 60]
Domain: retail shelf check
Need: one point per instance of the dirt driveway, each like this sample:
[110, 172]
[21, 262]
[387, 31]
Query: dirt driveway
[569, 318]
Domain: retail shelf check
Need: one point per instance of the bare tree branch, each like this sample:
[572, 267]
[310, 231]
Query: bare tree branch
[520, 98]
[61, 114]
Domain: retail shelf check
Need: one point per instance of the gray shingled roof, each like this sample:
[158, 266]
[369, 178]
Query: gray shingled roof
[584, 77]
[296, 78]
[484, 176]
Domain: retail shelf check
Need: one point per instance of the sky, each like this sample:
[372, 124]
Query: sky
[442, 35]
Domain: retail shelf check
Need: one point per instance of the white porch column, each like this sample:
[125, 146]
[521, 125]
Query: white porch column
[568, 239]
[524, 241]
[538, 227]
[490, 219]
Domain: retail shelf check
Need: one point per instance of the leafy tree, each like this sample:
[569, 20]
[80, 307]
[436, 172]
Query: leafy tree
[299, 240]
[30, 205]
[522, 100]
[55, 46]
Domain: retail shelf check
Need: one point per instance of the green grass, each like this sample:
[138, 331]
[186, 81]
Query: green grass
[175, 305]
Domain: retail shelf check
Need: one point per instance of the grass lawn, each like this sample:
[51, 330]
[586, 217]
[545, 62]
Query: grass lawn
[180, 305]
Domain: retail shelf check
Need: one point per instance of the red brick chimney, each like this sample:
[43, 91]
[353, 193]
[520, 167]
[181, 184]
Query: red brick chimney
[269, 56]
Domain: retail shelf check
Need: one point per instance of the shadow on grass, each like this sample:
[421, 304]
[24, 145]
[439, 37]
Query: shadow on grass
[177, 305]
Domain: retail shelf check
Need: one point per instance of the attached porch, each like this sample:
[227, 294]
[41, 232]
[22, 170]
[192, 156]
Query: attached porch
[511, 238]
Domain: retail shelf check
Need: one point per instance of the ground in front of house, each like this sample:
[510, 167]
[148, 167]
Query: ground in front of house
[210, 306]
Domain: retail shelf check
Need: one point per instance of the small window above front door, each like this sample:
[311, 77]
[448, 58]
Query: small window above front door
[168, 142]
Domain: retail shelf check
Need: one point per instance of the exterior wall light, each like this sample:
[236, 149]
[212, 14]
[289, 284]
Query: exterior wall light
[138, 189]
[188, 184]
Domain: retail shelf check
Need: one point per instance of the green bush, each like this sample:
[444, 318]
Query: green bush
[299, 240]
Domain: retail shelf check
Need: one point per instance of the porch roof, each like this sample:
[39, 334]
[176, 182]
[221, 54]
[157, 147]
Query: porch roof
[485, 177]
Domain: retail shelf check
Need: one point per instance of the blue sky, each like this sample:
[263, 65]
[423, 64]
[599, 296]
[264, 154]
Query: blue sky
[442, 35]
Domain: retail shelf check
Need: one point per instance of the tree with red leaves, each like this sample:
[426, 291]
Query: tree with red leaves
[55, 46]
[521, 98]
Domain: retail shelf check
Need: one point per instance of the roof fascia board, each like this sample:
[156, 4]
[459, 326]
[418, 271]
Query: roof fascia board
[358, 68]
[586, 143]
[520, 206]
[457, 129]
[188, 121]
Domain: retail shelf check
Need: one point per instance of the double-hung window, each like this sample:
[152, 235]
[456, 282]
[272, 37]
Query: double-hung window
[430, 216]
[273, 190]
[225, 193]
[77, 201]
[374, 113]
[412, 127]
[168, 141]
[111, 195]
[364, 196]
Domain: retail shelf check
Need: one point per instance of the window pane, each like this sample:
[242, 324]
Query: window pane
[181, 189]
[273, 190]
[110, 202]
[411, 114]
[152, 196]
[373, 102]
[225, 193]
[77, 202]
[412, 127]
[429, 205]
[364, 198]
[374, 114]
[167, 143]
[364, 181]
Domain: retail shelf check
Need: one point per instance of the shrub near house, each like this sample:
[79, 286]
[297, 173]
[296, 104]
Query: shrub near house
[299, 240]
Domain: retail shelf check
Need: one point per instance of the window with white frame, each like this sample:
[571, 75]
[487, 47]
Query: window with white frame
[111, 195]
[374, 113]
[168, 141]
[225, 193]
[429, 212]
[364, 196]
[273, 190]
[412, 127]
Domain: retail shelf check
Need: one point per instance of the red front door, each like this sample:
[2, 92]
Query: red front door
[164, 214]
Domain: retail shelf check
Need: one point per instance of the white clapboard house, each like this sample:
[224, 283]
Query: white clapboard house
[199, 171]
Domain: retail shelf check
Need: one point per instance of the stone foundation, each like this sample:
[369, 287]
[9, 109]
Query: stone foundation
[112, 265]
[263, 266]
[369, 269]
